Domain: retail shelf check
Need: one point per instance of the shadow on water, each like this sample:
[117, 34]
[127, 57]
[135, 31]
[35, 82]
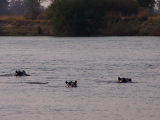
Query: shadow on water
[6, 75]
[25, 82]
[11, 75]
[36, 82]
[111, 81]
[54, 86]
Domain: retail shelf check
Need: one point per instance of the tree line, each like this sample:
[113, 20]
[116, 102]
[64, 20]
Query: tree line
[21, 7]
[91, 17]
[78, 17]
[29, 8]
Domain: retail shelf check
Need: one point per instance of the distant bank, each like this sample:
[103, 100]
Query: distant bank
[22, 27]
[18, 26]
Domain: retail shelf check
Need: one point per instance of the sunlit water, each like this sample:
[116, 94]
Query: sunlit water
[95, 63]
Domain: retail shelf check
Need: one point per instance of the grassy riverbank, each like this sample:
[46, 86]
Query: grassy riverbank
[19, 26]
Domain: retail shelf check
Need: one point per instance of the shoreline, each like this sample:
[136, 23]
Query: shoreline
[23, 27]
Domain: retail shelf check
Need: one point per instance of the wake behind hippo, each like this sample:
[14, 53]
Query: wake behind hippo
[20, 73]
[71, 84]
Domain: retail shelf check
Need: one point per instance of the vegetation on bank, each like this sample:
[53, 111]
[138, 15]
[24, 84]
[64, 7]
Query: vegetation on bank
[98, 17]
[82, 18]
[88, 18]
[19, 26]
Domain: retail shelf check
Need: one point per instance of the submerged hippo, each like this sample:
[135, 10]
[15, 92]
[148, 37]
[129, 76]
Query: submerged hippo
[71, 84]
[21, 73]
[124, 80]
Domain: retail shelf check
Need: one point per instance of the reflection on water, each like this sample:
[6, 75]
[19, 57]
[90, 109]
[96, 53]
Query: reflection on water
[95, 63]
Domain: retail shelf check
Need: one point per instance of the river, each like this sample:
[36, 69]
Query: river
[95, 63]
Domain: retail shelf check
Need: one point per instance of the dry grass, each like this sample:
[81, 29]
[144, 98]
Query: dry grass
[146, 14]
[9, 18]
[18, 25]
[19, 19]
[155, 18]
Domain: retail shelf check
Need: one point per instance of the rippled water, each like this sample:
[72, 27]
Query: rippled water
[95, 63]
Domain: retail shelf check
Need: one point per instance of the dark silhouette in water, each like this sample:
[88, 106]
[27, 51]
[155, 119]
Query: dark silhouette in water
[71, 84]
[36, 82]
[20, 73]
[124, 80]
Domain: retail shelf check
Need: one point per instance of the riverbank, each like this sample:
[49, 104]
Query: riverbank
[18, 26]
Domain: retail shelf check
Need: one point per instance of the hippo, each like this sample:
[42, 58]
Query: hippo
[21, 73]
[71, 84]
[124, 80]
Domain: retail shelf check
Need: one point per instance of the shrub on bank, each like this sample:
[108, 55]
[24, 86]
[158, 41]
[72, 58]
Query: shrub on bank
[120, 28]
[86, 17]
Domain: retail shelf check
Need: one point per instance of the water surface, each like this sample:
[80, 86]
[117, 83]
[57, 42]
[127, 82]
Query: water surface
[95, 63]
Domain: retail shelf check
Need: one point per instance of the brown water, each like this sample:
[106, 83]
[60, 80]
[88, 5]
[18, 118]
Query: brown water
[95, 63]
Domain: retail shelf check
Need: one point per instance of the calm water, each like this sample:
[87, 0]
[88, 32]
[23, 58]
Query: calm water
[95, 63]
